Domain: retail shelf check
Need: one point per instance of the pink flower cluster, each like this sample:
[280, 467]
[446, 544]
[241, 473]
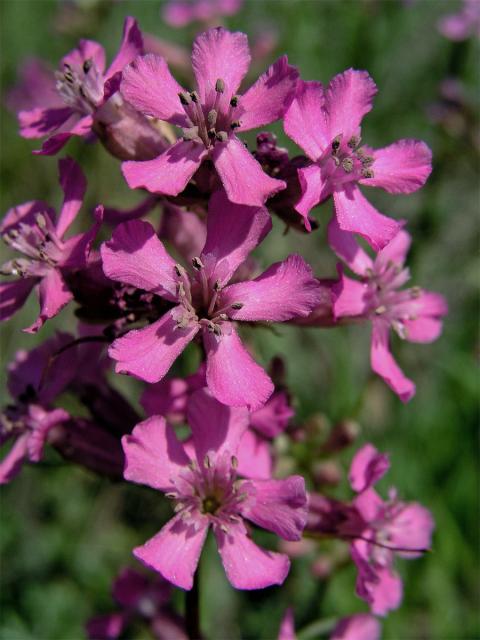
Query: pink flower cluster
[151, 290]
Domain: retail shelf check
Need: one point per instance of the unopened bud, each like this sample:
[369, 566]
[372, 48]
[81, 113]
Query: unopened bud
[342, 435]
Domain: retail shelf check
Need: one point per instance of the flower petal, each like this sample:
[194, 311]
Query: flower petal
[135, 255]
[38, 123]
[304, 121]
[106, 627]
[272, 419]
[368, 466]
[52, 145]
[12, 463]
[233, 232]
[349, 297]
[76, 250]
[278, 505]
[411, 528]
[74, 184]
[153, 454]
[175, 551]
[219, 54]
[169, 173]
[130, 47]
[347, 248]
[348, 98]
[287, 627]
[429, 310]
[248, 566]
[86, 50]
[215, 426]
[233, 377]
[254, 457]
[184, 230]
[170, 396]
[54, 295]
[355, 214]
[148, 85]
[360, 626]
[396, 250]
[149, 353]
[286, 290]
[26, 213]
[402, 167]
[242, 176]
[267, 100]
[13, 295]
[385, 366]
[312, 186]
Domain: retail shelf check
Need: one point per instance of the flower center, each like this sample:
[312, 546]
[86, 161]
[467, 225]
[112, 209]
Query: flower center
[346, 162]
[209, 125]
[80, 88]
[210, 504]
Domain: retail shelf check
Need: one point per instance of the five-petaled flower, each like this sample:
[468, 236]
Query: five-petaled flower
[210, 117]
[205, 302]
[414, 314]
[202, 481]
[32, 230]
[326, 125]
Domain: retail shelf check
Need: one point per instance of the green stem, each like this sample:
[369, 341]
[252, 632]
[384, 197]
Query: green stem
[192, 610]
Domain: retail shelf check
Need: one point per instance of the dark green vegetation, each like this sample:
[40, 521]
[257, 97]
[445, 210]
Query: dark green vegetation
[65, 533]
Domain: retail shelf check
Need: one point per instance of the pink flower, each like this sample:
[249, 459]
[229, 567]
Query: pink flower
[360, 626]
[415, 315]
[204, 302]
[179, 13]
[390, 527]
[32, 230]
[206, 492]
[326, 125]
[209, 117]
[462, 25]
[84, 89]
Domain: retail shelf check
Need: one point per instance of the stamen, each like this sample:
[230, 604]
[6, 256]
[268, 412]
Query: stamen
[184, 98]
[367, 160]
[222, 136]
[190, 134]
[235, 124]
[212, 117]
[237, 305]
[234, 461]
[220, 86]
[195, 97]
[87, 65]
[381, 309]
[234, 101]
[367, 173]
[197, 263]
[353, 142]
[347, 165]
[207, 463]
[415, 292]
[336, 144]
[179, 270]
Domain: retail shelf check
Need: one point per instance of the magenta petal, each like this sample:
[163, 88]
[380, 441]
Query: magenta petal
[367, 467]
[184, 230]
[385, 366]
[233, 377]
[272, 419]
[304, 122]
[26, 213]
[219, 54]
[74, 184]
[429, 309]
[286, 290]
[149, 353]
[278, 505]
[348, 98]
[50, 147]
[153, 454]
[411, 528]
[402, 167]
[12, 464]
[254, 457]
[287, 627]
[347, 248]
[76, 250]
[215, 426]
[312, 186]
[349, 297]
[169, 173]
[369, 505]
[87, 49]
[136, 256]
[40, 122]
[355, 214]
[242, 176]
[13, 296]
[233, 232]
[175, 550]
[54, 295]
[106, 627]
[396, 250]
[386, 594]
[150, 87]
[361, 626]
[246, 565]
[130, 47]
[267, 100]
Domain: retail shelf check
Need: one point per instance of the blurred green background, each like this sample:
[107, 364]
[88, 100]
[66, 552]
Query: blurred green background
[65, 533]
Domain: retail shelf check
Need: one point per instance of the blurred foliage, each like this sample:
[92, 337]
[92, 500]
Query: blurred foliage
[65, 533]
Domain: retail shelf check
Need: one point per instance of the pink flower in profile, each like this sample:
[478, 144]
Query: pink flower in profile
[210, 117]
[464, 24]
[325, 123]
[415, 315]
[32, 230]
[207, 493]
[84, 87]
[179, 13]
[360, 626]
[389, 527]
[204, 301]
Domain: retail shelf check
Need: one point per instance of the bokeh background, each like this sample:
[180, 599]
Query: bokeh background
[65, 533]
